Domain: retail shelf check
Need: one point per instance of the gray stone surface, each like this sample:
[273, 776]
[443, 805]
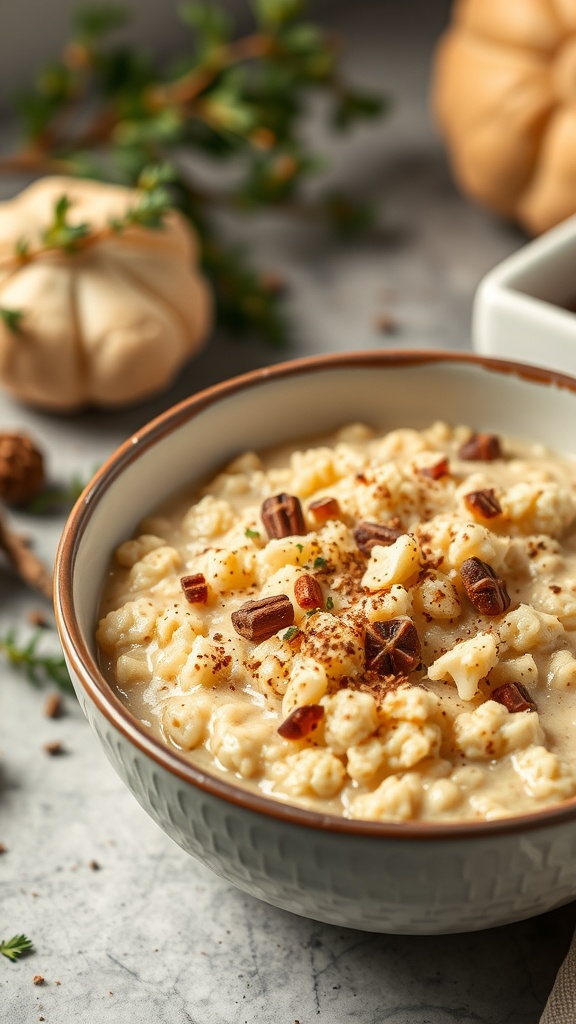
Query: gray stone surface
[151, 936]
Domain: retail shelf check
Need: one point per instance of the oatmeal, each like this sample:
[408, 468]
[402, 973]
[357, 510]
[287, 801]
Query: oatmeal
[382, 627]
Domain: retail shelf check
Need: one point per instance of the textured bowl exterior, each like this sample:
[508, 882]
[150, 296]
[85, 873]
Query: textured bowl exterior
[379, 876]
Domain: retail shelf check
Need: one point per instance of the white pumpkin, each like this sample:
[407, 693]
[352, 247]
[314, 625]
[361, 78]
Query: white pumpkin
[108, 325]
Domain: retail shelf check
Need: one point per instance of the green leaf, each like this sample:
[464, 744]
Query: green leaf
[12, 318]
[212, 25]
[38, 668]
[290, 633]
[348, 217]
[329, 604]
[354, 106]
[91, 23]
[274, 13]
[320, 563]
[253, 534]
[60, 234]
[15, 947]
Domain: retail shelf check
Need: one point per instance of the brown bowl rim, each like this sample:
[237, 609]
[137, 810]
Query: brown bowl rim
[109, 705]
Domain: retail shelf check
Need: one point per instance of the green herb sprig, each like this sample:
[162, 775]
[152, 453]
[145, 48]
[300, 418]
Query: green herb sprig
[105, 110]
[15, 947]
[39, 668]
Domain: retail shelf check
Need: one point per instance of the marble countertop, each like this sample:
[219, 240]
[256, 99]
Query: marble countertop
[125, 925]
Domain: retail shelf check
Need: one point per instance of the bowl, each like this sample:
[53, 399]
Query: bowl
[380, 876]
[525, 307]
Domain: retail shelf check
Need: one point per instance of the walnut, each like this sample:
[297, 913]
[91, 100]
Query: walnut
[21, 469]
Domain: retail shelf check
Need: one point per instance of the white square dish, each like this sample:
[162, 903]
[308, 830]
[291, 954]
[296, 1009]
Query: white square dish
[522, 306]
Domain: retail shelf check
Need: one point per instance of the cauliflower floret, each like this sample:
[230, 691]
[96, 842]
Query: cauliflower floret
[515, 670]
[171, 659]
[185, 720]
[271, 665]
[230, 570]
[397, 798]
[366, 760]
[283, 551]
[524, 629]
[539, 508]
[133, 623]
[205, 664]
[132, 670]
[336, 645]
[133, 550]
[443, 795]
[406, 743]
[238, 736]
[388, 604]
[412, 704]
[350, 717]
[393, 564]
[309, 772]
[491, 731]
[562, 670]
[154, 567]
[208, 518]
[476, 541]
[467, 663]
[307, 685]
[437, 596]
[313, 470]
[543, 774]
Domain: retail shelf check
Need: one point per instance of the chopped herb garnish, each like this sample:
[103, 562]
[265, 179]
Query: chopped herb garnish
[329, 604]
[290, 633]
[253, 534]
[300, 548]
[11, 318]
[62, 497]
[313, 611]
[15, 947]
[320, 563]
[38, 668]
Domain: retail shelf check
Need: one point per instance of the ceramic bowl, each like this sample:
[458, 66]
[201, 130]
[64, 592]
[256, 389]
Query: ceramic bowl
[379, 876]
[525, 308]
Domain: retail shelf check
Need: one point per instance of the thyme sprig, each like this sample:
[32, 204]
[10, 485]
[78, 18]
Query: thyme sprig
[105, 110]
[39, 668]
[15, 947]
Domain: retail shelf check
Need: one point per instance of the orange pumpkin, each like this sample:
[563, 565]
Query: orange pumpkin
[504, 94]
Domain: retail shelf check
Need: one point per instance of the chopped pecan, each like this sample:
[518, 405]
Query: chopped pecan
[392, 646]
[259, 620]
[308, 592]
[301, 722]
[195, 588]
[324, 509]
[483, 503]
[514, 696]
[438, 470]
[367, 535]
[481, 448]
[282, 516]
[485, 589]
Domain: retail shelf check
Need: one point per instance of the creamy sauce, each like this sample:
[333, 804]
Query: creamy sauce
[424, 727]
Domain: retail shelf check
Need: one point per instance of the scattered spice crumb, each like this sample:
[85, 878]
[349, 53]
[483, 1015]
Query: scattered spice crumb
[38, 979]
[94, 865]
[37, 618]
[3, 848]
[386, 324]
[41, 1018]
[53, 705]
[54, 748]
[57, 982]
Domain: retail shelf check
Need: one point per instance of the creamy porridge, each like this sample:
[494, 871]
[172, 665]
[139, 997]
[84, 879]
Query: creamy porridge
[382, 627]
